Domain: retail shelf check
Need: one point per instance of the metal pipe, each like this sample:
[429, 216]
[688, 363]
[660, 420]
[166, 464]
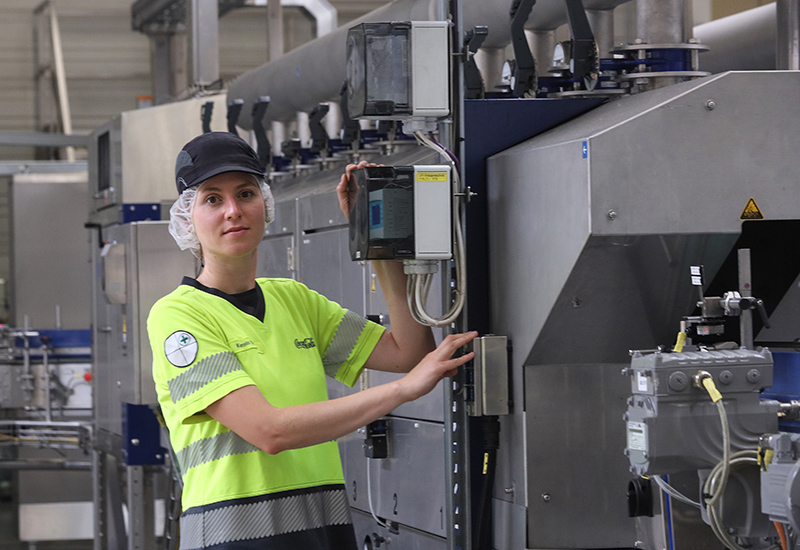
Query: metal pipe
[204, 34]
[602, 24]
[44, 465]
[787, 54]
[315, 71]
[303, 129]
[542, 45]
[28, 385]
[275, 29]
[42, 139]
[61, 80]
[322, 11]
[490, 63]
[741, 42]
[661, 21]
[745, 289]
[278, 137]
[333, 120]
[48, 409]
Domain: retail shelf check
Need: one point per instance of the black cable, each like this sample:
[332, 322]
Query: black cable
[491, 442]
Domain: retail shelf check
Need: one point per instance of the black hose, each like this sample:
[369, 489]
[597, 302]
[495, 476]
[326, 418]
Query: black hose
[491, 442]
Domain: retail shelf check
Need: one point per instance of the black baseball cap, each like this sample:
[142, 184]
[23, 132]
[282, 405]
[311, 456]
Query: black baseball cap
[211, 154]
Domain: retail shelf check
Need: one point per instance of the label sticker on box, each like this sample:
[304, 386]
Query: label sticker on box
[637, 436]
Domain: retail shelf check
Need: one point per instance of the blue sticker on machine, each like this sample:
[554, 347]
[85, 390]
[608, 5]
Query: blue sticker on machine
[585, 149]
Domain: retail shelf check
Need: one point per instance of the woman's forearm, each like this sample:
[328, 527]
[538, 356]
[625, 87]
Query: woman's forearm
[408, 340]
[248, 413]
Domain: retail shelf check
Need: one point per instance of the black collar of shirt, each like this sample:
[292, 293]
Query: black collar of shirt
[250, 302]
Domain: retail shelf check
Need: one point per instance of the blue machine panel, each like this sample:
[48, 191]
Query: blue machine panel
[141, 436]
[141, 212]
[72, 344]
[785, 384]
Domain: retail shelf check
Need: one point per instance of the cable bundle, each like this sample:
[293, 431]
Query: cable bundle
[419, 284]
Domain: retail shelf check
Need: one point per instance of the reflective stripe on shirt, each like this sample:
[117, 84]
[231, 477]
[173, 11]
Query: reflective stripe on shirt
[204, 372]
[343, 343]
[263, 517]
[212, 448]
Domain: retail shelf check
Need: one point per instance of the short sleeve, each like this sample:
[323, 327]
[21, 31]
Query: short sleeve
[194, 364]
[347, 339]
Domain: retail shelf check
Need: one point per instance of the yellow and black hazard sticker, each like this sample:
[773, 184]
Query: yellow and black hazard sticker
[751, 211]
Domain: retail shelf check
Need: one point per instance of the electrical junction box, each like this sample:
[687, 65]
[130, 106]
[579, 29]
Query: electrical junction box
[398, 70]
[401, 213]
[673, 426]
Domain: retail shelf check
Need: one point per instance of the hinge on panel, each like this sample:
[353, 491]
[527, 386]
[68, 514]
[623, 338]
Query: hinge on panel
[291, 263]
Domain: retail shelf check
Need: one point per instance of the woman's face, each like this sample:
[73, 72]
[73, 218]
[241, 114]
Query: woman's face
[228, 215]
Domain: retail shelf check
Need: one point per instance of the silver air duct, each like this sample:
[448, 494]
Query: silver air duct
[741, 42]
[314, 72]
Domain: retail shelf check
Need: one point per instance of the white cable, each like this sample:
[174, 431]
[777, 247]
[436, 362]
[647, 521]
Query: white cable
[419, 285]
[737, 460]
[717, 480]
[726, 457]
[369, 498]
[674, 493]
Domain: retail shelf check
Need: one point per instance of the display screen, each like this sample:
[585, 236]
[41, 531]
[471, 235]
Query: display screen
[375, 215]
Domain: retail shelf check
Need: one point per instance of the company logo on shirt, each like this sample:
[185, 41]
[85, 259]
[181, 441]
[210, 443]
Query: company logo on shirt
[180, 347]
[308, 343]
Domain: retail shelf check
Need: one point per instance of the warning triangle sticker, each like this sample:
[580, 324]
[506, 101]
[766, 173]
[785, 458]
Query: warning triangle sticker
[751, 211]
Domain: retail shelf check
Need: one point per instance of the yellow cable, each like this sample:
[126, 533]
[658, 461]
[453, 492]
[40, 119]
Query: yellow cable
[679, 342]
[708, 384]
[766, 460]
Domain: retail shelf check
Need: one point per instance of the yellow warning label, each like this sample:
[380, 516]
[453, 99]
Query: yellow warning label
[751, 211]
[431, 176]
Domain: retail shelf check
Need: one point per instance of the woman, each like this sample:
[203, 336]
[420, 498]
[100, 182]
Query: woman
[240, 364]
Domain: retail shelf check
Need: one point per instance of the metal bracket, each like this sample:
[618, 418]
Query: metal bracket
[206, 110]
[473, 39]
[351, 129]
[319, 136]
[585, 61]
[262, 141]
[234, 110]
[523, 77]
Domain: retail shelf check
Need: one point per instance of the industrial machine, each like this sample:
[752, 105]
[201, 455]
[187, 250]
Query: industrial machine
[45, 365]
[579, 209]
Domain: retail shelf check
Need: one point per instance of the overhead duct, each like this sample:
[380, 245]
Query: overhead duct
[745, 41]
[314, 72]
[322, 11]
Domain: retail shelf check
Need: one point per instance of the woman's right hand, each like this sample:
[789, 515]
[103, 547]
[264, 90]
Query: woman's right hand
[347, 189]
[436, 366]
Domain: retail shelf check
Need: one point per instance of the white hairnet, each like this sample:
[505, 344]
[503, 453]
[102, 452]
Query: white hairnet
[180, 217]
